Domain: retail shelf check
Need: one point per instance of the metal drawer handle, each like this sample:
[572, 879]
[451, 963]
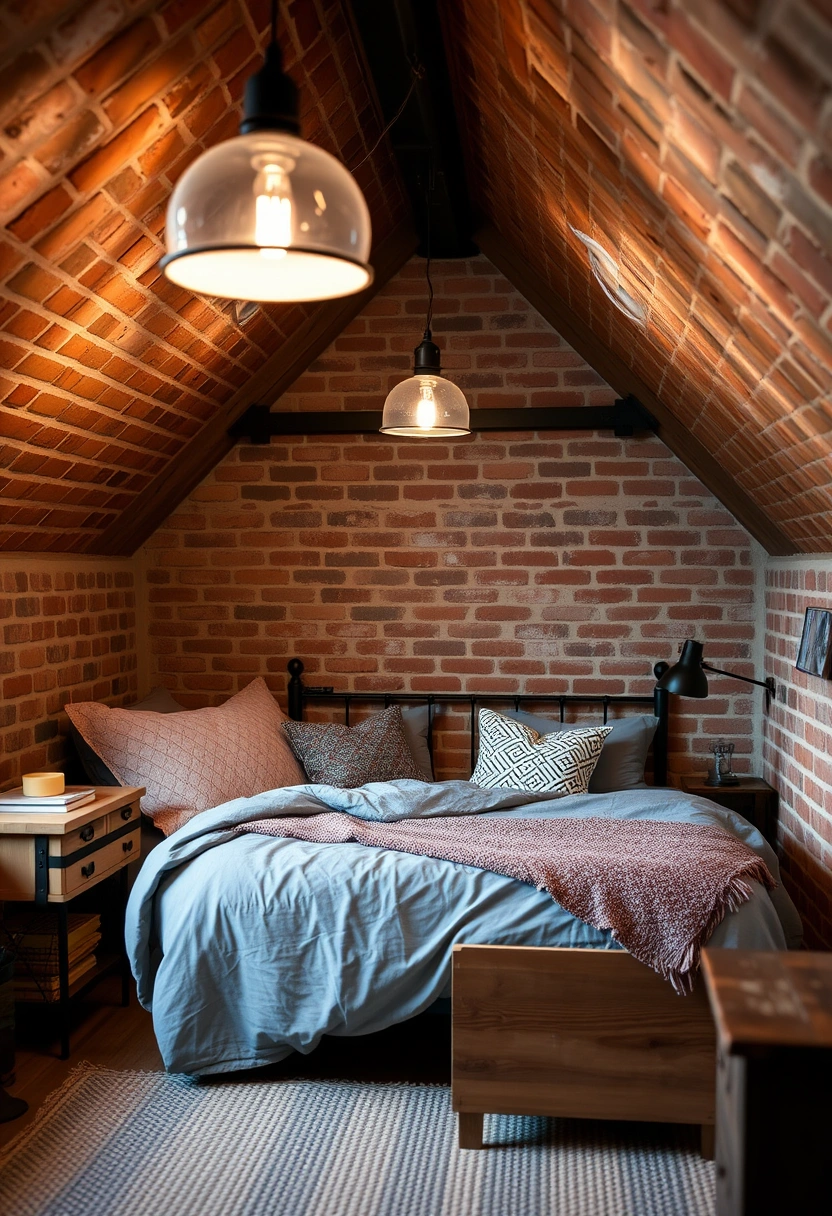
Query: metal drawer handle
[88, 871]
[88, 832]
[127, 845]
[126, 813]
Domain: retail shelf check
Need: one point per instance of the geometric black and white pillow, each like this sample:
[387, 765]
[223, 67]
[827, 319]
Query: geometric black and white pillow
[514, 756]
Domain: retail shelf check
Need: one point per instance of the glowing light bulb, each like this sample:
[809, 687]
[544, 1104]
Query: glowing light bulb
[426, 407]
[273, 205]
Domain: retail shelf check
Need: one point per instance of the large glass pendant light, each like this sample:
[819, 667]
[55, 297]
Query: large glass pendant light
[426, 404]
[266, 215]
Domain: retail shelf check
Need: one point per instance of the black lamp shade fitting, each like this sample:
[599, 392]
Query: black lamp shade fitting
[686, 678]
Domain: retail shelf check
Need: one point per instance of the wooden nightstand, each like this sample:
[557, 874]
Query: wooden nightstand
[773, 1015]
[53, 857]
[753, 798]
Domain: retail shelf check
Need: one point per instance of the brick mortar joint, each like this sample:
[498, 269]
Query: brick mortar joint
[107, 308]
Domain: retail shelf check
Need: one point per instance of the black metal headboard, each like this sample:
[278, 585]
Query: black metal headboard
[658, 702]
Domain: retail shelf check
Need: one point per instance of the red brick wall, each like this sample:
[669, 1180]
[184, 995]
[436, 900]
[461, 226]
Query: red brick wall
[796, 745]
[507, 562]
[69, 633]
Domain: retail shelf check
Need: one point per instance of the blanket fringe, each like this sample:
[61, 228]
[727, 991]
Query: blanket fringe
[682, 969]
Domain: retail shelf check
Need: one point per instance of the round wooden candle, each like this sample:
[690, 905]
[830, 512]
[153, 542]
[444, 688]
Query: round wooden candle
[43, 785]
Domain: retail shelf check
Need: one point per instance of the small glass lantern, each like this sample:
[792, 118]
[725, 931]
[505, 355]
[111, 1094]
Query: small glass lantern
[721, 772]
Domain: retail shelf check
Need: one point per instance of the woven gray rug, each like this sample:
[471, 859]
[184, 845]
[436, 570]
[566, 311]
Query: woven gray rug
[146, 1144]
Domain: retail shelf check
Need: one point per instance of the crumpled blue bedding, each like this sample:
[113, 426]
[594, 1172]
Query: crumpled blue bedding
[248, 947]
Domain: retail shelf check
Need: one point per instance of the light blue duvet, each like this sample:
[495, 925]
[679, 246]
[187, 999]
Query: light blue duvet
[247, 947]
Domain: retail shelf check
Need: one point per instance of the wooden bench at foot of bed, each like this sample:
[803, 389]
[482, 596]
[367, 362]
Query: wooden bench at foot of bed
[590, 1034]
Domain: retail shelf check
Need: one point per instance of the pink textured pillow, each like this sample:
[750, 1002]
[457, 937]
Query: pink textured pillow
[194, 760]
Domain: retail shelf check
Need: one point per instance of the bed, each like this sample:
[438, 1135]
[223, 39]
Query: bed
[247, 948]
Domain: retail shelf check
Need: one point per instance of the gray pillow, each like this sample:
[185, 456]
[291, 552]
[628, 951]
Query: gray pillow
[415, 718]
[158, 702]
[623, 756]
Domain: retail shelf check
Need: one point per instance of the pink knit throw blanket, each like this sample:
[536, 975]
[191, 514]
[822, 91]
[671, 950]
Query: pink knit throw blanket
[660, 887]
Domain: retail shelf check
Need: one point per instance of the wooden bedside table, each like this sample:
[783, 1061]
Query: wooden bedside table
[52, 857]
[773, 1015]
[752, 798]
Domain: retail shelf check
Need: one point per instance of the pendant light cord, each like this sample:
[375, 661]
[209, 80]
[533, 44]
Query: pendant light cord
[427, 266]
[417, 73]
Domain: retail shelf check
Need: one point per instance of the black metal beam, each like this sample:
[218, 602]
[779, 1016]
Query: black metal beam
[396, 35]
[624, 417]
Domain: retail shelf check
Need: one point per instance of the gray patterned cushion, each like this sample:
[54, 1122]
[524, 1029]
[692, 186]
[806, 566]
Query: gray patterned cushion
[514, 756]
[349, 756]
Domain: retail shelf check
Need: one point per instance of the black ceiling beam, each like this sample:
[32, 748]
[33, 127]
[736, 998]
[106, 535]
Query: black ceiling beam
[625, 417]
[395, 36]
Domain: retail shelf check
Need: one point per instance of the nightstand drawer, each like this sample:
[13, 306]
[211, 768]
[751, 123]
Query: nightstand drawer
[126, 814]
[98, 864]
[64, 846]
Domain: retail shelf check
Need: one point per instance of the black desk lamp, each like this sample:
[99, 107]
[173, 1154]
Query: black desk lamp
[687, 677]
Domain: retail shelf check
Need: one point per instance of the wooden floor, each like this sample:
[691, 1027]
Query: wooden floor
[112, 1037]
[102, 1032]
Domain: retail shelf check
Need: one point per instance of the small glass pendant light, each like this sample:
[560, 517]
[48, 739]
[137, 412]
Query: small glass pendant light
[426, 404]
[267, 216]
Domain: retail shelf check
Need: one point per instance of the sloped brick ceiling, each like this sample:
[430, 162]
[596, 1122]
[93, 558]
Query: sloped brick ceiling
[115, 384]
[692, 139]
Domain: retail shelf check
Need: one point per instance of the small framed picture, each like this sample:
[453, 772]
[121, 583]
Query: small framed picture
[814, 655]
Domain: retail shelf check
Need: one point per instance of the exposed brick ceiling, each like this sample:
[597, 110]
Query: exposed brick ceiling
[108, 372]
[691, 138]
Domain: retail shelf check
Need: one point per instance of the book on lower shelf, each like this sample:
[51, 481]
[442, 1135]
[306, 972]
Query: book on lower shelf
[46, 962]
[34, 941]
[48, 987]
[38, 931]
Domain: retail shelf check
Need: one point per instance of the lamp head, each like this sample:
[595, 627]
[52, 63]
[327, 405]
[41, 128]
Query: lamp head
[686, 678]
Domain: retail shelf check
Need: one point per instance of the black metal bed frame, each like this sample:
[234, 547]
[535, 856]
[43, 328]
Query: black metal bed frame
[299, 693]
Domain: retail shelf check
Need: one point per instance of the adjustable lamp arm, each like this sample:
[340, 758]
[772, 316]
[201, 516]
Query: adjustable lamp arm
[768, 683]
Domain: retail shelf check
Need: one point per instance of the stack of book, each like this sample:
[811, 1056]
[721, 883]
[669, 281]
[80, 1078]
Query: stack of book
[74, 797]
[35, 947]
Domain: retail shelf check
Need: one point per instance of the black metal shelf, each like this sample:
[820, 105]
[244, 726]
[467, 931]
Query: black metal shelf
[626, 416]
